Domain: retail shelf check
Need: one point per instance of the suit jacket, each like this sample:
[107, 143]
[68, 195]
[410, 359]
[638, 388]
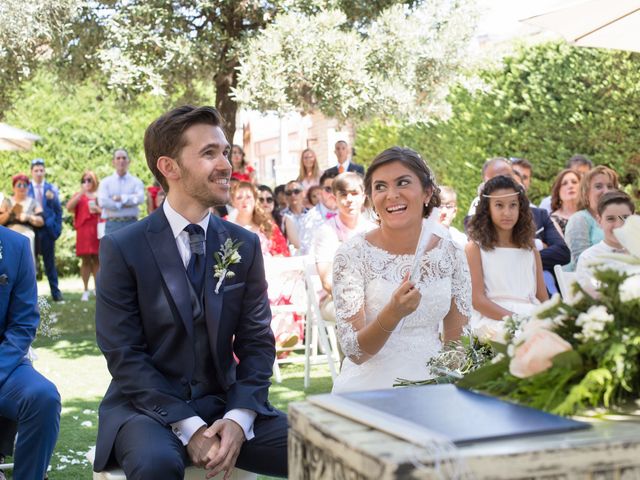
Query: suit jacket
[557, 252]
[52, 210]
[144, 327]
[353, 167]
[19, 315]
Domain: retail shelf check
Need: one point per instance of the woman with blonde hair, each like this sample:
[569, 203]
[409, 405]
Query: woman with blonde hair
[309, 170]
[250, 214]
[86, 213]
[582, 229]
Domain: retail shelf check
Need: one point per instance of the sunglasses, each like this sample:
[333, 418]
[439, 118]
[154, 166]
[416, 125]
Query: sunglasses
[295, 191]
[327, 189]
[265, 199]
[22, 185]
[87, 180]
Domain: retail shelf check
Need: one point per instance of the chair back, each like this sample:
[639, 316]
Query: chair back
[565, 282]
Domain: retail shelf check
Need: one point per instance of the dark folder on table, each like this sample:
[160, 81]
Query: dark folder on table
[460, 416]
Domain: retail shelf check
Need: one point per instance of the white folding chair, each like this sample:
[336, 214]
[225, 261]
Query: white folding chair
[317, 329]
[288, 274]
[191, 473]
[565, 282]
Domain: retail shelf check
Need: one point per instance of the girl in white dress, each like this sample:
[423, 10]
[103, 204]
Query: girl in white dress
[506, 270]
[389, 326]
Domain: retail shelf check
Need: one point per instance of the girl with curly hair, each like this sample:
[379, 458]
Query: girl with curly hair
[506, 270]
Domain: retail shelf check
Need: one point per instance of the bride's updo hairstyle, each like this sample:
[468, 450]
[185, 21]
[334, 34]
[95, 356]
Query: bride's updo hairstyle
[414, 162]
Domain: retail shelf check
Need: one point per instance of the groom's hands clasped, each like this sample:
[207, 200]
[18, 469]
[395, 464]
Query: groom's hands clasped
[217, 448]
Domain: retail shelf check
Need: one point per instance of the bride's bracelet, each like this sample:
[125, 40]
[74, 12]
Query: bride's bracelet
[381, 326]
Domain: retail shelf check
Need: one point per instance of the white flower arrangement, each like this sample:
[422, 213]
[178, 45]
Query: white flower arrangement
[227, 256]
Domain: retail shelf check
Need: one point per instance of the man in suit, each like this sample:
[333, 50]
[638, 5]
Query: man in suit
[47, 196]
[171, 330]
[26, 397]
[345, 164]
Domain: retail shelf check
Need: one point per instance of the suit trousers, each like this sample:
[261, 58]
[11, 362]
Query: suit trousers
[46, 246]
[33, 401]
[147, 450]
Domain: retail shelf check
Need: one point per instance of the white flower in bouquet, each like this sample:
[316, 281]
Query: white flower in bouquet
[630, 289]
[629, 236]
[593, 322]
[544, 306]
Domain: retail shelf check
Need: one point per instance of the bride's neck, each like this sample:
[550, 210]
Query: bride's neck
[400, 241]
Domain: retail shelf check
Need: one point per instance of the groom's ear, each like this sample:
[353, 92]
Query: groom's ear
[169, 168]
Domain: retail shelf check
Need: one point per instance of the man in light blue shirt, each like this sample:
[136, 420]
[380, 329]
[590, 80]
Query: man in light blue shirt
[120, 194]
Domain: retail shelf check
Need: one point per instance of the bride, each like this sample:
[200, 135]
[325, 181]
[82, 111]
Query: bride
[388, 327]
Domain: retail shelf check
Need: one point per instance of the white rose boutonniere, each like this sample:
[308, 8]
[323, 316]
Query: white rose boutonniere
[0, 250]
[227, 256]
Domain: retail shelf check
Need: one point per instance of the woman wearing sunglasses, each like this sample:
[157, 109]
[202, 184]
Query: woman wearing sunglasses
[21, 212]
[293, 214]
[86, 217]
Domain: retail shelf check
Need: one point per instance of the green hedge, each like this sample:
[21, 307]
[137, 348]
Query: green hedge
[80, 127]
[545, 103]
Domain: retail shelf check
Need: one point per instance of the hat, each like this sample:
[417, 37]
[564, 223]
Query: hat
[37, 161]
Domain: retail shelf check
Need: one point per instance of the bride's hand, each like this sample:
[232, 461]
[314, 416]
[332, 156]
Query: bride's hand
[405, 299]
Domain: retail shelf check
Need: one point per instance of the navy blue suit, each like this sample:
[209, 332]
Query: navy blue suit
[353, 167]
[47, 235]
[144, 326]
[556, 252]
[26, 397]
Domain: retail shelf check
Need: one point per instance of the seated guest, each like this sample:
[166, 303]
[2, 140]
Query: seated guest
[548, 240]
[293, 214]
[448, 211]
[313, 196]
[21, 212]
[565, 193]
[614, 208]
[26, 397]
[319, 214]
[505, 266]
[523, 167]
[348, 189]
[249, 214]
[580, 164]
[242, 171]
[582, 230]
[266, 199]
[309, 175]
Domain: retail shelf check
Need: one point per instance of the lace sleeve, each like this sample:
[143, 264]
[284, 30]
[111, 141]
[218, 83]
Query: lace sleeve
[577, 237]
[348, 297]
[461, 281]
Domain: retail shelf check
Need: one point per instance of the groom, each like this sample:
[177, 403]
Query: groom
[190, 353]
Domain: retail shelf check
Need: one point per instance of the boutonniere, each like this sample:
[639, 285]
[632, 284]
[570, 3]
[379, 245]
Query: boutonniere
[0, 250]
[227, 256]
[49, 194]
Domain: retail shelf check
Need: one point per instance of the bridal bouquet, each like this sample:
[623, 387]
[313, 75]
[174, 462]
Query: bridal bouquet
[566, 356]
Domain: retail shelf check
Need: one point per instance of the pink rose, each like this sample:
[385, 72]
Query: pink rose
[536, 353]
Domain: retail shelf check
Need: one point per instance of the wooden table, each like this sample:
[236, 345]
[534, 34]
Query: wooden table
[327, 446]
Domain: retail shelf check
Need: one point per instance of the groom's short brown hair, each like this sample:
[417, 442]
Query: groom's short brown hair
[165, 136]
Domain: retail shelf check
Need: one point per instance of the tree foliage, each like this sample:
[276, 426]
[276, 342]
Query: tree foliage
[80, 129]
[400, 62]
[28, 30]
[544, 103]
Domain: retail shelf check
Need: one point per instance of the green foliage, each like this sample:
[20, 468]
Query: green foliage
[400, 62]
[545, 103]
[80, 127]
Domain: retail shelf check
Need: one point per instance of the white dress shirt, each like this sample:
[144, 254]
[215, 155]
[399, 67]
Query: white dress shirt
[184, 429]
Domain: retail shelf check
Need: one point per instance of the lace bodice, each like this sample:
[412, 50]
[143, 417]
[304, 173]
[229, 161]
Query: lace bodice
[365, 276]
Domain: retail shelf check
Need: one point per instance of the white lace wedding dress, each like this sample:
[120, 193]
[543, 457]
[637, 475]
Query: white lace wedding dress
[364, 277]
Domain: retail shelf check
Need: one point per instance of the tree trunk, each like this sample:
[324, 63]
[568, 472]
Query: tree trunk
[225, 80]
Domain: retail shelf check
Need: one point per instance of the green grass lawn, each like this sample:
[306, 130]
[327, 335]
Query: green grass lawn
[72, 360]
